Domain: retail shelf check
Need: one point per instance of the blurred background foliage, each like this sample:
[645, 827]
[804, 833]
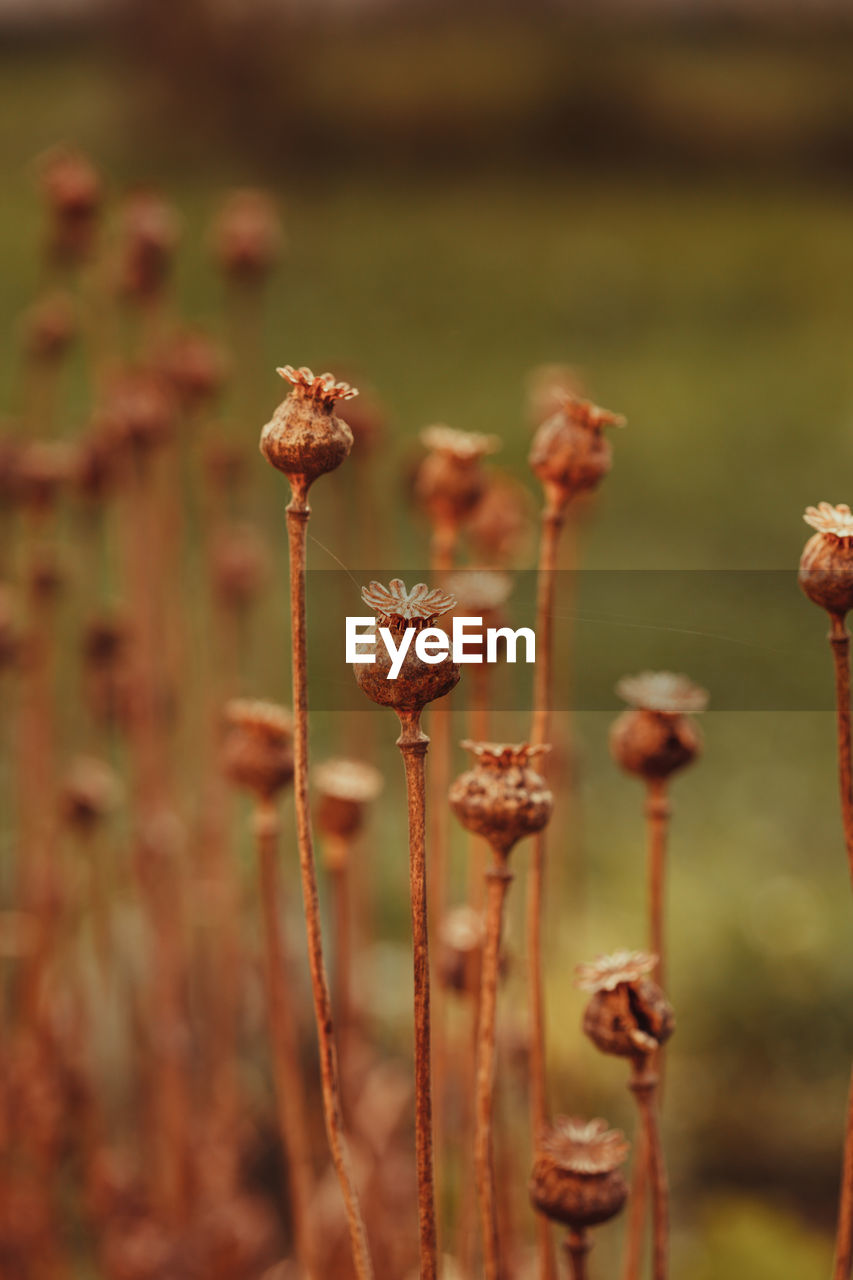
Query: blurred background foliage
[665, 201]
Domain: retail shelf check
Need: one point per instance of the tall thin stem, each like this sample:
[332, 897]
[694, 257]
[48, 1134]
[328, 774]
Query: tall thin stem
[644, 1084]
[498, 881]
[658, 812]
[839, 639]
[578, 1247]
[413, 745]
[552, 523]
[290, 1094]
[298, 512]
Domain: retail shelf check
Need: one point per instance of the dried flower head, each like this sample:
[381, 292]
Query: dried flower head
[73, 191]
[258, 748]
[195, 368]
[49, 329]
[576, 1179]
[502, 798]
[450, 480]
[304, 438]
[247, 236]
[460, 951]
[151, 230]
[345, 788]
[418, 682]
[140, 409]
[480, 592]
[397, 606]
[628, 1014]
[826, 565]
[500, 528]
[42, 469]
[570, 453]
[656, 737]
[90, 792]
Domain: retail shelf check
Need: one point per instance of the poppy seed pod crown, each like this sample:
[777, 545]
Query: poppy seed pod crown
[576, 1177]
[418, 682]
[501, 797]
[304, 438]
[826, 565]
[570, 453]
[628, 1015]
[345, 788]
[656, 737]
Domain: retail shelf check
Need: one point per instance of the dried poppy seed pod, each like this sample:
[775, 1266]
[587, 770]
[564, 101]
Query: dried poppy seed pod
[826, 565]
[195, 368]
[90, 792]
[480, 593]
[548, 386]
[344, 789]
[628, 1015]
[241, 566]
[450, 480]
[73, 191]
[460, 951]
[247, 237]
[657, 737]
[151, 230]
[576, 1178]
[500, 530]
[258, 750]
[305, 438]
[570, 453]
[418, 682]
[49, 329]
[141, 409]
[42, 469]
[502, 798]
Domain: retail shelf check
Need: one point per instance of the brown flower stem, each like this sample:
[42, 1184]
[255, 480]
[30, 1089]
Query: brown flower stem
[553, 519]
[644, 1085]
[479, 721]
[413, 745]
[290, 1093]
[342, 957]
[498, 881]
[578, 1247]
[839, 639]
[658, 812]
[298, 512]
[844, 1236]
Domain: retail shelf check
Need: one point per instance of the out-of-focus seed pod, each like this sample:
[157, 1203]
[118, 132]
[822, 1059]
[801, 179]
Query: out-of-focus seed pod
[451, 480]
[344, 789]
[576, 1178]
[257, 753]
[570, 453]
[657, 735]
[73, 192]
[247, 237]
[628, 1014]
[49, 329]
[195, 368]
[500, 529]
[460, 951]
[90, 792]
[150, 234]
[548, 387]
[43, 469]
[241, 566]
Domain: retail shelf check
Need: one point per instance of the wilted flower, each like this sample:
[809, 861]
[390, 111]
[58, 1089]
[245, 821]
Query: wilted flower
[657, 737]
[628, 1014]
[258, 750]
[304, 438]
[450, 480]
[247, 236]
[417, 682]
[501, 797]
[570, 453]
[345, 788]
[826, 565]
[576, 1179]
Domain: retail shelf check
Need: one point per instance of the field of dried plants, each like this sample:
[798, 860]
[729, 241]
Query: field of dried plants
[219, 857]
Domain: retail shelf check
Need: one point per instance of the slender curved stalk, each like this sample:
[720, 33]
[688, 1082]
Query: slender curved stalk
[498, 881]
[644, 1085]
[552, 523]
[298, 512]
[578, 1246]
[839, 639]
[413, 745]
[290, 1094]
